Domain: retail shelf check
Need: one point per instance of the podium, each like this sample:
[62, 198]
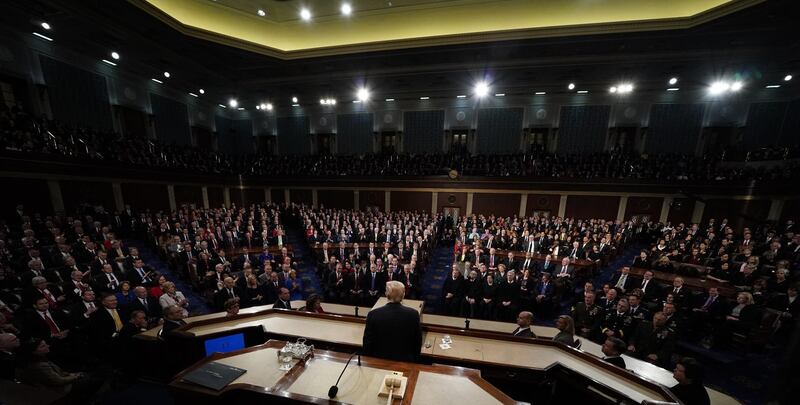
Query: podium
[308, 381]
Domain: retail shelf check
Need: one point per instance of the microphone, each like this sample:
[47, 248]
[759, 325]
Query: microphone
[334, 389]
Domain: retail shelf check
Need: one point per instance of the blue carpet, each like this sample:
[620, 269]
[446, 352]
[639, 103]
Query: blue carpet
[306, 268]
[437, 270]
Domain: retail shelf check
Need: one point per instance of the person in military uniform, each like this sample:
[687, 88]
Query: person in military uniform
[587, 316]
[653, 341]
[637, 311]
[618, 323]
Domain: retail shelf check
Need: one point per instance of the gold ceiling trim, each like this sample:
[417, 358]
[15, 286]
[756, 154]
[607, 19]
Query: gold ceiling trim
[613, 27]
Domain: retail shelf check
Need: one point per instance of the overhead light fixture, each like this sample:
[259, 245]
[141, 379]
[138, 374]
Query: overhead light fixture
[108, 62]
[167, 75]
[240, 108]
[583, 91]
[322, 101]
[673, 80]
[115, 55]
[261, 12]
[295, 105]
[46, 26]
[736, 86]
[625, 88]
[202, 91]
[156, 80]
[481, 89]
[787, 78]
[269, 106]
[389, 99]
[673, 89]
[258, 107]
[571, 86]
[613, 89]
[356, 101]
[363, 94]
[347, 9]
[294, 100]
[45, 37]
[327, 101]
[222, 105]
[719, 87]
[499, 94]
[461, 96]
[540, 93]
[773, 86]
[233, 103]
[424, 98]
[192, 94]
[305, 14]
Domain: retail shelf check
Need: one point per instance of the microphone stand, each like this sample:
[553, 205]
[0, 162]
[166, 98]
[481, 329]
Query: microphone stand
[466, 323]
[334, 389]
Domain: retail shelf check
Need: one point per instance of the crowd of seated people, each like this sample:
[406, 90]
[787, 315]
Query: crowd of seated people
[357, 252]
[23, 133]
[72, 295]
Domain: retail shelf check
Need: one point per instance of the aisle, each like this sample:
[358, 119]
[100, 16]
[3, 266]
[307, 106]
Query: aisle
[438, 268]
[306, 269]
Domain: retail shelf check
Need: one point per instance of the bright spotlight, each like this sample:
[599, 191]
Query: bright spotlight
[481, 89]
[571, 86]
[347, 9]
[625, 88]
[115, 55]
[258, 107]
[294, 100]
[613, 89]
[363, 94]
[45, 25]
[787, 78]
[305, 14]
[262, 13]
[202, 91]
[736, 86]
[166, 74]
[719, 87]
[269, 106]
[233, 103]
[673, 80]
[323, 101]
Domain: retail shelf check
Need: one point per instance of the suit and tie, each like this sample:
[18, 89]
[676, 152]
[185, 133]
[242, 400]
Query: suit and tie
[523, 332]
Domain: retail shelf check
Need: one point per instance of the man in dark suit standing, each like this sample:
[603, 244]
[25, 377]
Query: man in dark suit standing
[105, 325]
[393, 331]
[524, 320]
[149, 306]
[283, 300]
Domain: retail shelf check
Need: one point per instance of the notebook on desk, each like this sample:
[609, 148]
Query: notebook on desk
[215, 376]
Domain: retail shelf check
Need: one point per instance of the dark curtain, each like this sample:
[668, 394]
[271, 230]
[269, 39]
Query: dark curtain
[790, 132]
[293, 135]
[234, 137]
[583, 128]
[423, 131]
[76, 96]
[674, 128]
[764, 122]
[499, 130]
[354, 133]
[171, 120]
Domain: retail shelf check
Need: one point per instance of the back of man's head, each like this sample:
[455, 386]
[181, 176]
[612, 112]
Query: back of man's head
[395, 291]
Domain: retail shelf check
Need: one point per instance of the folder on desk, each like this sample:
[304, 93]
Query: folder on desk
[215, 376]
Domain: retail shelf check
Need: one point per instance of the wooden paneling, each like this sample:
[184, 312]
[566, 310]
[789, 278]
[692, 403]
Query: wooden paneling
[644, 206]
[145, 196]
[215, 197]
[504, 205]
[739, 212]
[188, 195]
[32, 194]
[680, 211]
[335, 199]
[253, 196]
[277, 195]
[543, 202]
[371, 198]
[411, 201]
[76, 192]
[447, 199]
[300, 197]
[585, 207]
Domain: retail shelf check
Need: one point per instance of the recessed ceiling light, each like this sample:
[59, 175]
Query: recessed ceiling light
[613, 89]
[45, 25]
[258, 107]
[222, 105]
[773, 86]
[500, 94]
[583, 91]
[461, 96]
[269, 106]
[192, 94]
[305, 14]
[356, 101]
[787, 78]
[389, 99]
[45, 37]
[571, 86]
[323, 101]
[424, 98]
[109, 62]
[261, 12]
[363, 94]
[166, 74]
[736, 86]
[481, 89]
[202, 91]
[294, 100]
[673, 89]
[540, 93]
[156, 80]
[115, 55]
[719, 87]
[625, 88]
[347, 9]
[295, 105]
[233, 103]
[240, 108]
[673, 80]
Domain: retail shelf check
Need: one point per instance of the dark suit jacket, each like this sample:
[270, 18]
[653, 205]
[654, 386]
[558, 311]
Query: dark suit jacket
[280, 304]
[152, 311]
[393, 332]
[524, 333]
[35, 326]
[617, 361]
